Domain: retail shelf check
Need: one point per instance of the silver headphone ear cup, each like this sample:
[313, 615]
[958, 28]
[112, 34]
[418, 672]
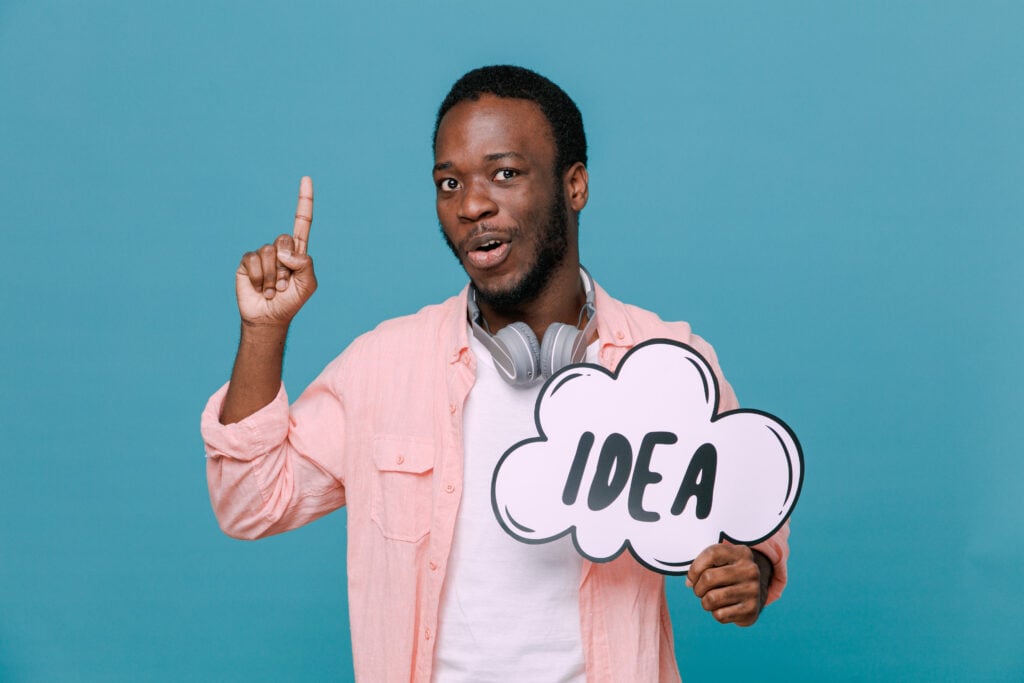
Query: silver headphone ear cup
[519, 341]
[556, 349]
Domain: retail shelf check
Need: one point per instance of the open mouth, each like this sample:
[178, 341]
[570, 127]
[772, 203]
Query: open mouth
[488, 253]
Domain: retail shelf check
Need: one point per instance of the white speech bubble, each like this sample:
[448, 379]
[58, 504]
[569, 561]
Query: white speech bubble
[640, 459]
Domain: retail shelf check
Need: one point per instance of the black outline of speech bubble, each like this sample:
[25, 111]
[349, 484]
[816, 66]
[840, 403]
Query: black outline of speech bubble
[572, 371]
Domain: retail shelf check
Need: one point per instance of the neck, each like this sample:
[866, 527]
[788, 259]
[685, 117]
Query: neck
[559, 302]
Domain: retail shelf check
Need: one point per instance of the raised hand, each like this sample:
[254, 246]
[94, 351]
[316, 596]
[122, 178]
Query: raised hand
[274, 282]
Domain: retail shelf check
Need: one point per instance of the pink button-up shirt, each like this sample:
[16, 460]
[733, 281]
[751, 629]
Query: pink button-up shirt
[380, 430]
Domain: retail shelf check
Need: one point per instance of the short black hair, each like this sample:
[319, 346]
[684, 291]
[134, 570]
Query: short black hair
[518, 83]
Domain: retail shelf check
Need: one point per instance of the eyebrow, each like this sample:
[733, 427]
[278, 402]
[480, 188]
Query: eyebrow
[445, 165]
[503, 155]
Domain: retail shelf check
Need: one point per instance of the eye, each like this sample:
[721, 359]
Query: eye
[447, 185]
[506, 174]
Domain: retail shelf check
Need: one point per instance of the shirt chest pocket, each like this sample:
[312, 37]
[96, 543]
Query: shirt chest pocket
[402, 487]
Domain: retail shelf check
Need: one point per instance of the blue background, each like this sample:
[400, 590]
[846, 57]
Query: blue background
[830, 193]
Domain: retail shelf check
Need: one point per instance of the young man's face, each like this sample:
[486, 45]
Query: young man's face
[501, 207]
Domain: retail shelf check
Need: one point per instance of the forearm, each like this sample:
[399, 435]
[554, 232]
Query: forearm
[256, 376]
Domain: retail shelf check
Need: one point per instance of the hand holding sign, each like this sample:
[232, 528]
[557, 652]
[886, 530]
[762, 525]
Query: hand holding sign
[640, 459]
[274, 282]
[731, 582]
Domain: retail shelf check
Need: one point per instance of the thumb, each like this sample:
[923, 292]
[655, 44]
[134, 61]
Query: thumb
[294, 262]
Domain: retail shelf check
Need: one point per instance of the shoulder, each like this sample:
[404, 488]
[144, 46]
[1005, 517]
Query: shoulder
[631, 324]
[431, 329]
[626, 325]
[433, 319]
[650, 324]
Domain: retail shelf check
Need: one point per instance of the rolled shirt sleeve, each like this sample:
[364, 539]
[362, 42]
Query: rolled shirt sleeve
[270, 472]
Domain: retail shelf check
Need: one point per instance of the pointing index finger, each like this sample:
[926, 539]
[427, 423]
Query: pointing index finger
[303, 215]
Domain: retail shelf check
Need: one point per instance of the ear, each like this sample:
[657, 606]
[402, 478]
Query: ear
[577, 186]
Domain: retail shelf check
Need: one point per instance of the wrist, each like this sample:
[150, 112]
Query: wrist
[264, 334]
[765, 570]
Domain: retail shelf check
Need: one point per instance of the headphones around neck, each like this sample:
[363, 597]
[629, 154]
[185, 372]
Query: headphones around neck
[520, 358]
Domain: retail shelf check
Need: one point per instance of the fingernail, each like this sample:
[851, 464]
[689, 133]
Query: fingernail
[282, 285]
[285, 252]
[269, 293]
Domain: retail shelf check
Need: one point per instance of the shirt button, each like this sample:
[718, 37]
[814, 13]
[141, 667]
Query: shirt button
[620, 334]
[449, 487]
[426, 633]
[452, 408]
[400, 459]
[432, 565]
[465, 359]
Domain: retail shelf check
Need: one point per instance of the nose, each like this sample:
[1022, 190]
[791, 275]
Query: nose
[477, 203]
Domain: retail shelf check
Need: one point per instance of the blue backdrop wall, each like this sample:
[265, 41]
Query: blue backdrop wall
[831, 193]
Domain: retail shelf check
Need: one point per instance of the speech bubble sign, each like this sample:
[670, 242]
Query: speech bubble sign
[641, 459]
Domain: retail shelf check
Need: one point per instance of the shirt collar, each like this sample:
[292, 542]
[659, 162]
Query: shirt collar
[457, 327]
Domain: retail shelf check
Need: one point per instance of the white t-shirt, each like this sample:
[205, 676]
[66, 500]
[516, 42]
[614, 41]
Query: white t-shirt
[509, 610]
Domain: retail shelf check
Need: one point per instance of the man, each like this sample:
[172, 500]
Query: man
[406, 425]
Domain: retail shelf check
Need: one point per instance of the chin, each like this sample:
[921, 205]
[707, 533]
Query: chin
[515, 290]
[490, 288]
